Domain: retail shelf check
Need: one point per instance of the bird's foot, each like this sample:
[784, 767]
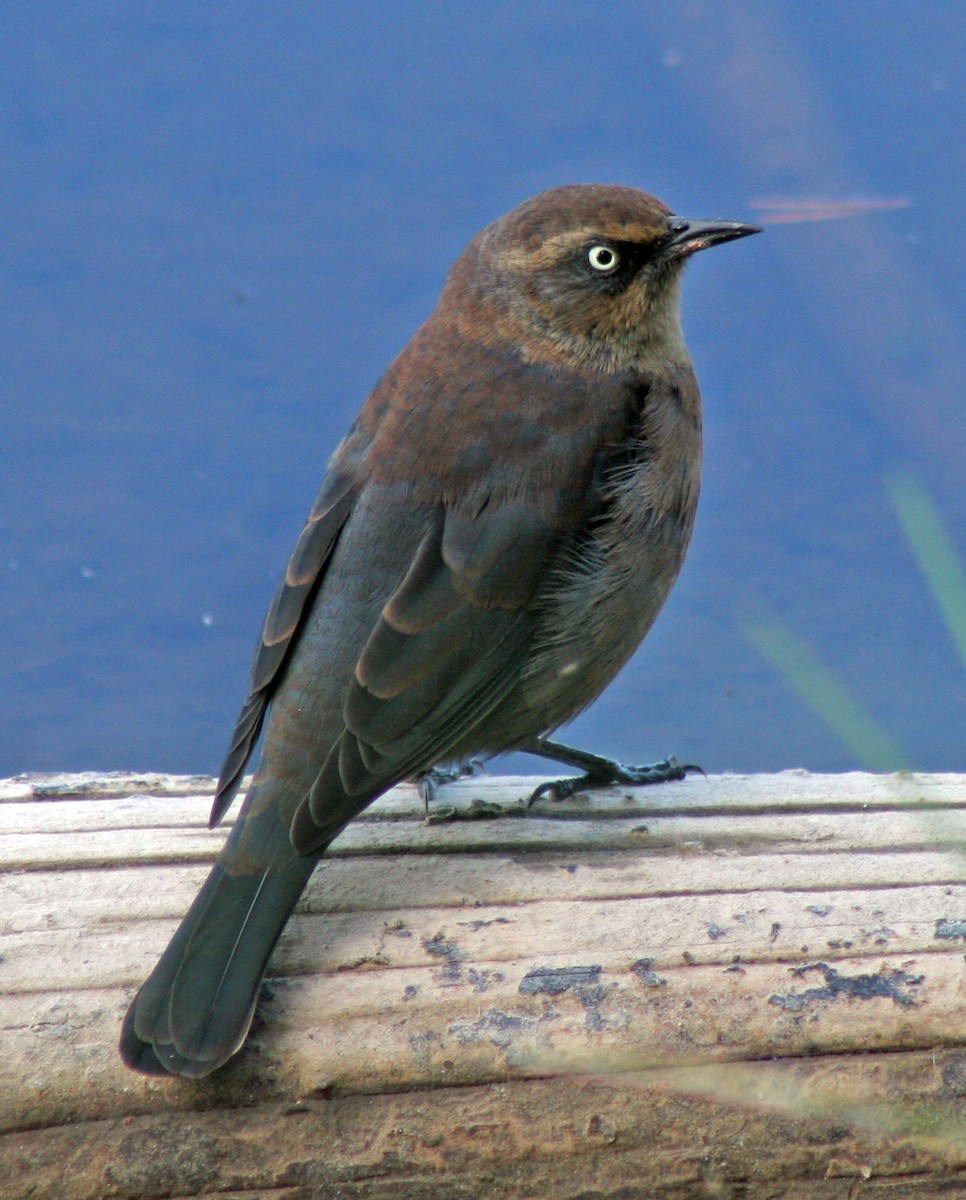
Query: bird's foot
[428, 781]
[599, 771]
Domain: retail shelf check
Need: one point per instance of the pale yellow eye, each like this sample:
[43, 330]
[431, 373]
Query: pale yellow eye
[604, 259]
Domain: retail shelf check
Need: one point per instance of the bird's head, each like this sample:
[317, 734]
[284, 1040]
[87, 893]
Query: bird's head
[586, 275]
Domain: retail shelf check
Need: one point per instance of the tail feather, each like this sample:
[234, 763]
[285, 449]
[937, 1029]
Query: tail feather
[195, 1010]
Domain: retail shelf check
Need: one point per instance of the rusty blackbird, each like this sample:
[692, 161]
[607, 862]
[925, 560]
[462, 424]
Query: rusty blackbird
[494, 537]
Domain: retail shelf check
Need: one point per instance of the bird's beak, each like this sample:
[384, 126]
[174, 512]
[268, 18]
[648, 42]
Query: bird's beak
[689, 236]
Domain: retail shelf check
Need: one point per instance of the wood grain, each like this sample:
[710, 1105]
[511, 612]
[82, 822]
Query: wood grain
[735, 986]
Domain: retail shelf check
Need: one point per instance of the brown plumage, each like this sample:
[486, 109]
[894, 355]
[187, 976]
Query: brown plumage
[494, 537]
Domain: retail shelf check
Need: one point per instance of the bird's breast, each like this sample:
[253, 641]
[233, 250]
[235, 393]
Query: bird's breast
[611, 577]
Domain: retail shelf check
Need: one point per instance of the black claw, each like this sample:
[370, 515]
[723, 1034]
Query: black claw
[561, 789]
[435, 777]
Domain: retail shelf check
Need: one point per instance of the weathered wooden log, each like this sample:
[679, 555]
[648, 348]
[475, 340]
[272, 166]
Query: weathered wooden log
[659, 992]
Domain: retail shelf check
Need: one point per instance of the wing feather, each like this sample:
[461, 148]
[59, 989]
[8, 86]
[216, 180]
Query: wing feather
[449, 644]
[306, 566]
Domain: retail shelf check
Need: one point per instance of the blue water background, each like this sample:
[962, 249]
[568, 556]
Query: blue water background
[219, 223]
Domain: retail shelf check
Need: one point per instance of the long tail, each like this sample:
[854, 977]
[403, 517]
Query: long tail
[194, 1011]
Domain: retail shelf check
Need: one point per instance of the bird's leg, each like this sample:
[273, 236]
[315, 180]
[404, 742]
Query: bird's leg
[598, 771]
[429, 781]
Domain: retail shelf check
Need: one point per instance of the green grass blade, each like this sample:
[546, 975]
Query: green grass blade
[935, 552]
[826, 696]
